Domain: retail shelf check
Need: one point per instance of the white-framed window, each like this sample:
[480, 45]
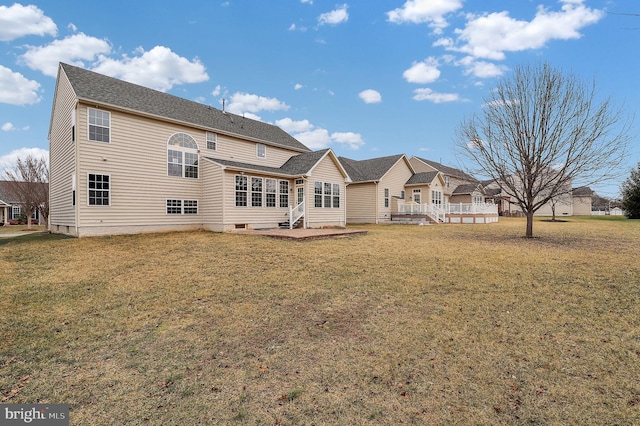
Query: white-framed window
[98, 190]
[386, 197]
[261, 150]
[417, 196]
[182, 156]
[284, 193]
[182, 206]
[241, 191]
[447, 181]
[270, 192]
[436, 197]
[256, 192]
[402, 194]
[212, 141]
[326, 194]
[99, 125]
[15, 212]
[317, 194]
[477, 199]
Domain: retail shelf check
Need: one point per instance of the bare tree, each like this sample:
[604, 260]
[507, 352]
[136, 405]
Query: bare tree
[28, 183]
[542, 131]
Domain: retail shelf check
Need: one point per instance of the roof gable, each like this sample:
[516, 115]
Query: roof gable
[423, 178]
[93, 87]
[298, 165]
[372, 170]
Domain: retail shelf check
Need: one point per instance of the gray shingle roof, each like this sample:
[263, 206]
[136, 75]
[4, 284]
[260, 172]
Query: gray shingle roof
[297, 165]
[101, 89]
[583, 191]
[449, 171]
[466, 189]
[422, 178]
[368, 170]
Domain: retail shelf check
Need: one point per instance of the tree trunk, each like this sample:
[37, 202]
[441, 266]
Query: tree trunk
[529, 225]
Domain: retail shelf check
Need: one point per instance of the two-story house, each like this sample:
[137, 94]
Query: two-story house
[125, 159]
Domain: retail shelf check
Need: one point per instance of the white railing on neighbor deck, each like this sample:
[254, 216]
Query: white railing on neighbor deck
[295, 213]
[439, 212]
[472, 208]
[436, 212]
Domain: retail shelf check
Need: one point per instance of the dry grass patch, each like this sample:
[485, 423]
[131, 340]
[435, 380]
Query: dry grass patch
[430, 325]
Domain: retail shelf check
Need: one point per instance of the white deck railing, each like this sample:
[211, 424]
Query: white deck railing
[295, 213]
[439, 213]
[436, 212]
[472, 208]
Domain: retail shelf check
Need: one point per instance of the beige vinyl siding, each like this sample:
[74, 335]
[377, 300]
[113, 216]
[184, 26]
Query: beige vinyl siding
[393, 180]
[213, 183]
[361, 202]
[62, 160]
[252, 217]
[326, 171]
[582, 205]
[229, 148]
[420, 167]
[136, 160]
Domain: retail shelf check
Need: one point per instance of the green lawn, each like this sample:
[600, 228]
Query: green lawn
[442, 324]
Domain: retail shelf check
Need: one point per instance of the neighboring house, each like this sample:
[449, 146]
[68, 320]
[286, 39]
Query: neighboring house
[452, 177]
[10, 208]
[581, 201]
[564, 204]
[126, 159]
[377, 186]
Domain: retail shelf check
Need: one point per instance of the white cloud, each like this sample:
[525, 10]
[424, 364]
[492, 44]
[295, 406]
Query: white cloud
[489, 36]
[297, 86]
[216, 91]
[350, 139]
[291, 126]
[159, 69]
[431, 12]
[426, 94]
[8, 127]
[18, 21]
[16, 89]
[314, 139]
[9, 161]
[334, 17]
[481, 69]
[319, 138]
[73, 50]
[423, 72]
[370, 96]
[245, 102]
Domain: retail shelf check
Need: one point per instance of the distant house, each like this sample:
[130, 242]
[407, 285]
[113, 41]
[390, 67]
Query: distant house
[392, 189]
[375, 188]
[11, 209]
[452, 177]
[576, 201]
[581, 201]
[126, 159]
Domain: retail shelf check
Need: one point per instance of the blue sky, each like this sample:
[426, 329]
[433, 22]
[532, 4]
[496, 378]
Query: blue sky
[366, 78]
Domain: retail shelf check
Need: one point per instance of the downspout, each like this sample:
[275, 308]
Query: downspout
[76, 172]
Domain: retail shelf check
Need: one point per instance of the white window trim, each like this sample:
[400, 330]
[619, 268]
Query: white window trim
[214, 140]
[183, 150]
[258, 145]
[89, 189]
[89, 125]
[182, 207]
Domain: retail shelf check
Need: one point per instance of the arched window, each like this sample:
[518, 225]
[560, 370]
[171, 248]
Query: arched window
[182, 156]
